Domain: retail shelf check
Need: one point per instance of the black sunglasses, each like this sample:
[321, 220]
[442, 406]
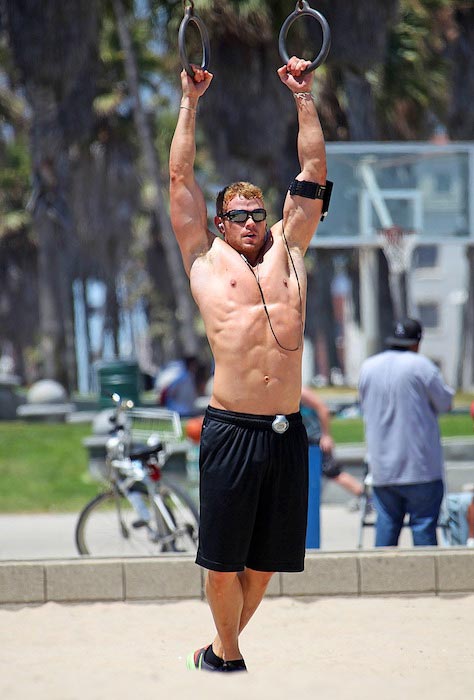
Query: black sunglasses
[240, 216]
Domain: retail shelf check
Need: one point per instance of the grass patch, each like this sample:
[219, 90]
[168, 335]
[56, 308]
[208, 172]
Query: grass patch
[456, 424]
[346, 430]
[43, 467]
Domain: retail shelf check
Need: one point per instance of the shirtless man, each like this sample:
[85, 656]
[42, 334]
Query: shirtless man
[250, 285]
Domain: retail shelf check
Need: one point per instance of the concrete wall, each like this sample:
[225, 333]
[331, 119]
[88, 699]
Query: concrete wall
[379, 572]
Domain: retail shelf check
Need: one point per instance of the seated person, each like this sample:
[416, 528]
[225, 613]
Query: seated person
[177, 386]
[457, 518]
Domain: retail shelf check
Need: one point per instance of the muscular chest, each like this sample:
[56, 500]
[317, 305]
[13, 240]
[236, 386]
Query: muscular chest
[232, 285]
[247, 287]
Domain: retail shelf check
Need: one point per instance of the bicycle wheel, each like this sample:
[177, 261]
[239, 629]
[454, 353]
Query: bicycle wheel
[109, 525]
[184, 516]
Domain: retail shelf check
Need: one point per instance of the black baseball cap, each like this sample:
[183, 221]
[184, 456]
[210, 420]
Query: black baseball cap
[405, 333]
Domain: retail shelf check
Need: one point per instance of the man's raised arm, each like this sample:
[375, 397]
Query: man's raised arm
[187, 205]
[303, 204]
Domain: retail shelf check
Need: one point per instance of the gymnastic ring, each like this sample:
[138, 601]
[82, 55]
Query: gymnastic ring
[190, 16]
[302, 8]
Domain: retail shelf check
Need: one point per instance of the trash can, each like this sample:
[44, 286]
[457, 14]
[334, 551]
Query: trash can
[314, 498]
[122, 377]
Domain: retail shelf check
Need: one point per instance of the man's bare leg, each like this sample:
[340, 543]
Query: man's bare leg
[226, 599]
[233, 599]
[254, 584]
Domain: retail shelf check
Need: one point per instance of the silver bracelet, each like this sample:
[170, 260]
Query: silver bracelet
[190, 109]
[303, 96]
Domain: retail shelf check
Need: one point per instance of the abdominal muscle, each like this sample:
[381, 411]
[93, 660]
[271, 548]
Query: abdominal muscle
[264, 382]
[253, 373]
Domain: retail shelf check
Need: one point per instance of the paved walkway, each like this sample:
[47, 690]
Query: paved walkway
[46, 536]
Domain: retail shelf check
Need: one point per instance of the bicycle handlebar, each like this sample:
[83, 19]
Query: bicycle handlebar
[150, 452]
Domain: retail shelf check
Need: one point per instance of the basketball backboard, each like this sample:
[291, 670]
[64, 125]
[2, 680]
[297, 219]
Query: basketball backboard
[425, 188]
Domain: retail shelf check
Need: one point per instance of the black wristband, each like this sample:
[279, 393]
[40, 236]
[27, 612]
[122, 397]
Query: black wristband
[313, 190]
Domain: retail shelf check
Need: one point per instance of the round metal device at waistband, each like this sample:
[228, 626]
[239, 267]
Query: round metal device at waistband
[190, 16]
[302, 8]
[280, 424]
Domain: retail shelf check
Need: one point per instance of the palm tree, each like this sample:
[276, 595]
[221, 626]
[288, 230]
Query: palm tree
[54, 49]
[459, 33]
[412, 95]
[184, 307]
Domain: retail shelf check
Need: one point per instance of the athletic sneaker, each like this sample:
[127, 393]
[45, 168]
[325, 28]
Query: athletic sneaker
[237, 665]
[195, 662]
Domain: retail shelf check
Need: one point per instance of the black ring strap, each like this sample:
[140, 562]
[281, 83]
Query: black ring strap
[191, 16]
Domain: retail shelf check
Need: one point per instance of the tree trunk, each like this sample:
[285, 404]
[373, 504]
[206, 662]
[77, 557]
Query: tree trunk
[461, 53]
[361, 117]
[54, 47]
[51, 346]
[112, 315]
[324, 310]
[184, 309]
[359, 43]
[81, 286]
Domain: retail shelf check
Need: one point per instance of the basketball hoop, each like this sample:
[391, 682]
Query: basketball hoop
[398, 245]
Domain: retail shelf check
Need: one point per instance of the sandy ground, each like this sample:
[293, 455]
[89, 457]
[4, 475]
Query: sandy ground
[370, 648]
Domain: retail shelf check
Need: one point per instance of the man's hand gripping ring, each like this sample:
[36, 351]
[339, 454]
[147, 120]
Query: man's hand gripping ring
[302, 8]
[190, 16]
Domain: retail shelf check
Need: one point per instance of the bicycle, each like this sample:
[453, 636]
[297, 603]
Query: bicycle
[141, 512]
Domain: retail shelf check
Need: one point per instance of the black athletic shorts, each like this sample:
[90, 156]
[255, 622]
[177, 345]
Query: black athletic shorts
[253, 493]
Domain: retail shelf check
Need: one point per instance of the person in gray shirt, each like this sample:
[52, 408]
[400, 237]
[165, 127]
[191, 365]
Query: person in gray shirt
[401, 394]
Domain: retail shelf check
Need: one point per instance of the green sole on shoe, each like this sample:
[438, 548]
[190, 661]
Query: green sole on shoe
[195, 661]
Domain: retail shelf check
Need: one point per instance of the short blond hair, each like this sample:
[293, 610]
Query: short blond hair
[242, 189]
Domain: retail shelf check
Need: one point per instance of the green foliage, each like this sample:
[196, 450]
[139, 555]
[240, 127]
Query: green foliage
[15, 164]
[273, 12]
[414, 81]
[251, 21]
[13, 222]
[14, 183]
[112, 97]
[15, 169]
